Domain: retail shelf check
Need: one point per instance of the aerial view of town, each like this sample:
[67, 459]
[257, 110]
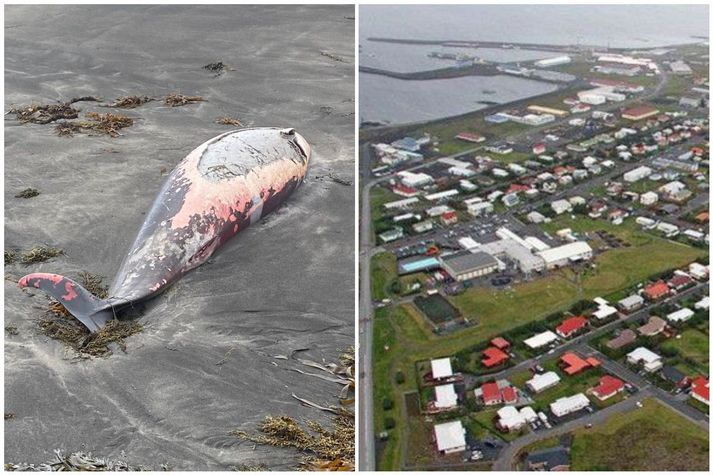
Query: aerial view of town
[534, 212]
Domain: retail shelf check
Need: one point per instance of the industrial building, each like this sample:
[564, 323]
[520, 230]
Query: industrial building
[567, 405]
[565, 254]
[639, 113]
[450, 437]
[550, 62]
[469, 265]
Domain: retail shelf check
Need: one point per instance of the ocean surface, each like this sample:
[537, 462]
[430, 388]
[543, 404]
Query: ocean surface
[394, 101]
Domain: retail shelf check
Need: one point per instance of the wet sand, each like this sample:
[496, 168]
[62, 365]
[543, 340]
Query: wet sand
[205, 363]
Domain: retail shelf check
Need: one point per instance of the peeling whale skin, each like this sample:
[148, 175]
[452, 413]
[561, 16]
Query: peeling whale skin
[218, 190]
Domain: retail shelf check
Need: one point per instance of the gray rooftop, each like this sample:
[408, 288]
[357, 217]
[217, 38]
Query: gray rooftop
[468, 261]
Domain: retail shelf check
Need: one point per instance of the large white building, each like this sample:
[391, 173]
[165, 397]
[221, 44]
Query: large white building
[565, 254]
[568, 405]
[450, 437]
[556, 61]
[543, 381]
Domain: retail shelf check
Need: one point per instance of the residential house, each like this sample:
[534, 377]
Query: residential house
[653, 327]
[608, 387]
[624, 338]
[642, 355]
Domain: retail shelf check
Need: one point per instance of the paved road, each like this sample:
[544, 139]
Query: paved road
[587, 337]
[367, 450]
[507, 456]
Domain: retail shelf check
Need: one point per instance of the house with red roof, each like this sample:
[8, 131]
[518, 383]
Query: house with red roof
[608, 386]
[470, 137]
[679, 281]
[700, 390]
[500, 343]
[449, 217]
[539, 148]
[491, 394]
[657, 290]
[571, 326]
[404, 190]
[572, 363]
[493, 357]
[516, 187]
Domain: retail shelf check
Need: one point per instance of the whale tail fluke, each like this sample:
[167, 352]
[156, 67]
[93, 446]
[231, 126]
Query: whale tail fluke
[90, 310]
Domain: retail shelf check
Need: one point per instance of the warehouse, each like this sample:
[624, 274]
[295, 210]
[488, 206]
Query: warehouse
[450, 437]
[567, 405]
[556, 61]
[541, 339]
[519, 254]
[547, 110]
[469, 265]
[639, 113]
[563, 255]
[543, 381]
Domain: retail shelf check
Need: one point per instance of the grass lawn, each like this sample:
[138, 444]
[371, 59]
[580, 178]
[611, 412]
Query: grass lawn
[652, 438]
[487, 417]
[385, 337]
[383, 274]
[568, 385]
[626, 266]
[377, 197]
[692, 344]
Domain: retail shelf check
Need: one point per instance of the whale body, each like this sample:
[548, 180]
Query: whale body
[216, 191]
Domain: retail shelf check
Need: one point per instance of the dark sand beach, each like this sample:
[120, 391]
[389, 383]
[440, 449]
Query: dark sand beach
[204, 364]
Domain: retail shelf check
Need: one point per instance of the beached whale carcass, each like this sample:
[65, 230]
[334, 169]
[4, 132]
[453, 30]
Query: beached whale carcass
[216, 191]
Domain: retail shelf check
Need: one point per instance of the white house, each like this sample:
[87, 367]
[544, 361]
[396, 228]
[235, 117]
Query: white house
[561, 206]
[450, 437]
[446, 397]
[648, 198]
[652, 362]
[543, 381]
[680, 315]
[441, 368]
[567, 405]
[541, 339]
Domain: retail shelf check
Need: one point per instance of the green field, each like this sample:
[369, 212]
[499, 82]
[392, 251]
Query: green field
[626, 266]
[693, 344]
[494, 312]
[383, 275]
[652, 438]
[377, 197]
